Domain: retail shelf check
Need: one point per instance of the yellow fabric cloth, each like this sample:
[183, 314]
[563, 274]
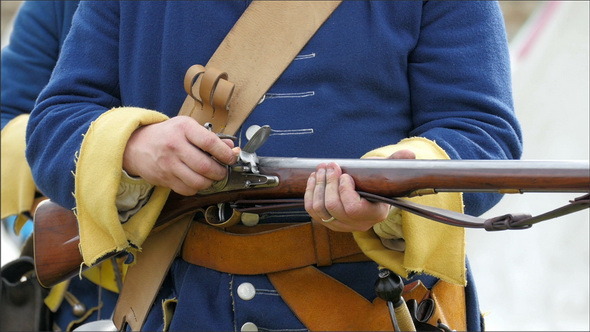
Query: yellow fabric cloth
[56, 295]
[18, 187]
[430, 247]
[101, 152]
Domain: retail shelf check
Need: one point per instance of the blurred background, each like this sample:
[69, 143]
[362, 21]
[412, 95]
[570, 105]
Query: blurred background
[535, 279]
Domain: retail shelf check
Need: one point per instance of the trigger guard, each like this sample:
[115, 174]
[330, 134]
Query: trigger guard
[212, 217]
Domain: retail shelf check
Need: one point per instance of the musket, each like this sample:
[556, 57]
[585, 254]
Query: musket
[253, 180]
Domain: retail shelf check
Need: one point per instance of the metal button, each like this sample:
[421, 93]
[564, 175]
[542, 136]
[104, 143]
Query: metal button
[249, 326]
[246, 291]
[250, 219]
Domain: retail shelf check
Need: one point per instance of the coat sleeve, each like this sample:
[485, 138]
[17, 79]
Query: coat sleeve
[83, 85]
[30, 56]
[460, 74]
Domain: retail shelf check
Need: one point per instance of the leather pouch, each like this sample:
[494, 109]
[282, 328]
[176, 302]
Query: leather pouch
[21, 298]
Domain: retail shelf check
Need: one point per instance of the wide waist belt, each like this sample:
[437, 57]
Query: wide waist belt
[267, 248]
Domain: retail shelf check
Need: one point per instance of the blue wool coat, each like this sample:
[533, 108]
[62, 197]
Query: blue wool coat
[375, 73]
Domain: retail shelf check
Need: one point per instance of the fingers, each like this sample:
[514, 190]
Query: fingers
[202, 163]
[326, 202]
[308, 196]
[314, 201]
[185, 181]
[331, 194]
[179, 154]
[403, 154]
[205, 157]
[322, 183]
[208, 141]
[334, 192]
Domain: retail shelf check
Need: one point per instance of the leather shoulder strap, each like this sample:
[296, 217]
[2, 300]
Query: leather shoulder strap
[145, 277]
[256, 51]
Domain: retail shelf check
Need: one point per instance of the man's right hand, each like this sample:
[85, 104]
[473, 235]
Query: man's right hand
[178, 153]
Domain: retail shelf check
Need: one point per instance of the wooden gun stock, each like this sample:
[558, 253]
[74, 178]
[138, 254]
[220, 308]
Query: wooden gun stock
[56, 238]
[55, 241]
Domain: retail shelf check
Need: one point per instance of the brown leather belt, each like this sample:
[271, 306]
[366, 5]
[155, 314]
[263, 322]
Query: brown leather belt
[267, 248]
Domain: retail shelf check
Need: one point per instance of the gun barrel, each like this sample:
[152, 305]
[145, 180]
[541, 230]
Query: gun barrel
[402, 177]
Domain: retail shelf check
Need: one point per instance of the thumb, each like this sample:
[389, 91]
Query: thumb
[403, 154]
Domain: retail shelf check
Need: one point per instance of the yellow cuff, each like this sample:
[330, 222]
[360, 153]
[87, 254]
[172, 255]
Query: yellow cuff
[97, 179]
[431, 247]
[18, 187]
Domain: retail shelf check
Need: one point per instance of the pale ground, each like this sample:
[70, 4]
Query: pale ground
[535, 279]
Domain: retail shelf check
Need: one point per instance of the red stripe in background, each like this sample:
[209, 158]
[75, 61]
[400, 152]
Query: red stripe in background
[538, 27]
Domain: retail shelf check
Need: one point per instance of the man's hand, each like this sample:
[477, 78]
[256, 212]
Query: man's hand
[179, 154]
[331, 199]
